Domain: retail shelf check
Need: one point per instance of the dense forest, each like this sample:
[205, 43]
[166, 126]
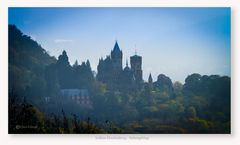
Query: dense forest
[200, 105]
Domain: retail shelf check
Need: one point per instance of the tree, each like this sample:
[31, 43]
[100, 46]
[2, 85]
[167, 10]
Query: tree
[52, 82]
[164, 86]
[191, 112]
[193, 84]
[64, 71]
[82, 76]
[178, 87]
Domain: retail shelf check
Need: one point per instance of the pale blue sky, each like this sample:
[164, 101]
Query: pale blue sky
[173, 41]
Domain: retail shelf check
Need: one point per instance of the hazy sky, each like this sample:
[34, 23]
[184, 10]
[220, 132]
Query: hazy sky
[173, 41]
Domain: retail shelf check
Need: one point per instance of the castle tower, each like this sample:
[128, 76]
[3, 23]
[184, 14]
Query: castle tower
[136, 66]
[116, 56]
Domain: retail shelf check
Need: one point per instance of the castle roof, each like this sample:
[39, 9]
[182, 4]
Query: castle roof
[136, 57]
[127, 67]
[74, 92]
[116, 48]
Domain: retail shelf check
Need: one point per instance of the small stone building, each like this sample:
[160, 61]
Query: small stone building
[79, 96]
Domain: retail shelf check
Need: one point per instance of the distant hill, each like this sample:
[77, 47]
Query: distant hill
[27, 61]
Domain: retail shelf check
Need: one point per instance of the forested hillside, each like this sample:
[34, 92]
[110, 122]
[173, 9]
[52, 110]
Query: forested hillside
[27, 62]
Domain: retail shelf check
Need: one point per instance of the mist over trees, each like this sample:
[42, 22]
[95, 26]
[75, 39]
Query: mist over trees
[200, 105]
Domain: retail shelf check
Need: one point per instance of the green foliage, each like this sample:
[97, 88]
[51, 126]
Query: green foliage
[178, 86]
[27, 60]
[25, 118]
[198, 125]
[191, 112]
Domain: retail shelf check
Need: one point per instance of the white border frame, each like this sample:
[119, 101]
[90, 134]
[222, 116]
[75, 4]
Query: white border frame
[186, 139]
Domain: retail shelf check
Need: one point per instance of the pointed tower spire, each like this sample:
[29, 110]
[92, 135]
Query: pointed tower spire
[116, 47]
[150, 80]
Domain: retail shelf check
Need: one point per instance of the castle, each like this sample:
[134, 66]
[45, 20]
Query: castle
[111, 72]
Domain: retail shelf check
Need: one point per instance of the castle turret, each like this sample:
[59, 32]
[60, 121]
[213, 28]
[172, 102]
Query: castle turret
[150, 80]
[116, 56]
[127, 71]
[136, 66]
